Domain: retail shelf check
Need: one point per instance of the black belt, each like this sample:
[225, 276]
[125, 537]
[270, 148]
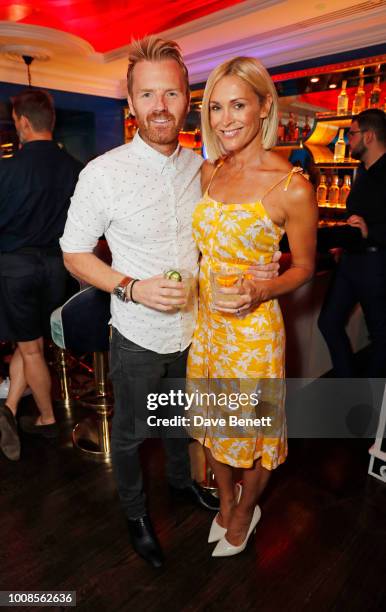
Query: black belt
[45, 251]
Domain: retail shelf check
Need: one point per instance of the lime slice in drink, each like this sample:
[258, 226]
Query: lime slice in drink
[173, 275]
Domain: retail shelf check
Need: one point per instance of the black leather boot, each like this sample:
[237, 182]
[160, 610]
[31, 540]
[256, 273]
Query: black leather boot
[197, 495]
[145, 541]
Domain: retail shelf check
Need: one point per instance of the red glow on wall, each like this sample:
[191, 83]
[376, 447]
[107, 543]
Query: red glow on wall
[109, 24]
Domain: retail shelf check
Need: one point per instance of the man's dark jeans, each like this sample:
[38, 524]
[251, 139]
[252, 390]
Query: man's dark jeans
[136, 372]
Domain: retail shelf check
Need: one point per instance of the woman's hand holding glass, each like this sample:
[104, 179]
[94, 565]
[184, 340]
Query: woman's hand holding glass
[243, 297]
[236, 291]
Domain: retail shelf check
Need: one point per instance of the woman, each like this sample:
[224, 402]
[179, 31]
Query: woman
[251, 197]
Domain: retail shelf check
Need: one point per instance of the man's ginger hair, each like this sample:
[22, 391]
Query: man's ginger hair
[153, 49]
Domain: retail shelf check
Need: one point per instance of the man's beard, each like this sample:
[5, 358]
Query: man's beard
[159, 134]
[358, 151]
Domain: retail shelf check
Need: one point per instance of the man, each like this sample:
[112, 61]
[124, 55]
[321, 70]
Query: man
[361, 273]
[36, 186]
[141, 196]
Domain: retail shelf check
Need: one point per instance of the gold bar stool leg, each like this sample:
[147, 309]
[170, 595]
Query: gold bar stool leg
[200, 469]
[100, 398]
[61, 362]
[104, 434]
[92, 435]
[99, 362]
[209, 481]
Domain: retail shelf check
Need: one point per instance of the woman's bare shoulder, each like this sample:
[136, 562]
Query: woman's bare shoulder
[282, 166]
[299, 202]
[277, 162]
[299, 185]
[208, 167]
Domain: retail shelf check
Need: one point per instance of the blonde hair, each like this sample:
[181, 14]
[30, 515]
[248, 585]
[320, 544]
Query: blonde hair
[153, 49]
[253, 73]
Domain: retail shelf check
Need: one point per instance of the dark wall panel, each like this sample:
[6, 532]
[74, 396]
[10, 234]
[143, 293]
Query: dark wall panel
[86, 125]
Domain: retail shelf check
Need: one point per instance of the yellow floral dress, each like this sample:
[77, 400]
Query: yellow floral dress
[248, 349]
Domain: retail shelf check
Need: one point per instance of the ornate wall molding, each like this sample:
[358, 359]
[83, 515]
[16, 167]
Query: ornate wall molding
[355, 27]
[48, 76]
[198, 25]
[31, 34]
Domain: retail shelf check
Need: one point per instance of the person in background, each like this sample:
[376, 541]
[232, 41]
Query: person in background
[141, 196]
[36, 186]
[4, 380]
[361, 273]
[252, 195]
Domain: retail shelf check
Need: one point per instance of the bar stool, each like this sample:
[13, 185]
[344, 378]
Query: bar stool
[377, 466]
[81, 325]
[200, 469]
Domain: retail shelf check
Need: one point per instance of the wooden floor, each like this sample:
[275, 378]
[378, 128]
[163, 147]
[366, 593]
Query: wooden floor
[320, 545]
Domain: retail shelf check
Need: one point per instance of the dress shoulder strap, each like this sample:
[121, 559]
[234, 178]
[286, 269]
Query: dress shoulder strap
[287, 178]
[218, 165]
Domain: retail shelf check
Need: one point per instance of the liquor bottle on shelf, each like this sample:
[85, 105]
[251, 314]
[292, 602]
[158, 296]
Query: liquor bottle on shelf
[280, 131]
[296, 132]
[375, 94]
[345, 189]
[333, 193]
[197, 140]
[359, 102]
[306, 129]
[342, 106]
[321, 192]
[130, 128]
[340, 147]
[291, 128]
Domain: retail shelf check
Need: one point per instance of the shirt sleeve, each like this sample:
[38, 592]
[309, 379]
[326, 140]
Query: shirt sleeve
[88, 215]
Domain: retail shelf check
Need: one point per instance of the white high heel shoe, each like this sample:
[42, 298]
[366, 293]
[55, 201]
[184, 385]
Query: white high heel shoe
[225, 549]
[216, 531]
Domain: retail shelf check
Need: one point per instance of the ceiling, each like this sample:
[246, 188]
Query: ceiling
[107, 24]
[81, 45]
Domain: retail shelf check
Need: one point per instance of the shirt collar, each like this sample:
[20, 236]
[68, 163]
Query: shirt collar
[379, 164]
[142, 149]
[38, 143]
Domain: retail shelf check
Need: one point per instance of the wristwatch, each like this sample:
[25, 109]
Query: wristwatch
[120, 290]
